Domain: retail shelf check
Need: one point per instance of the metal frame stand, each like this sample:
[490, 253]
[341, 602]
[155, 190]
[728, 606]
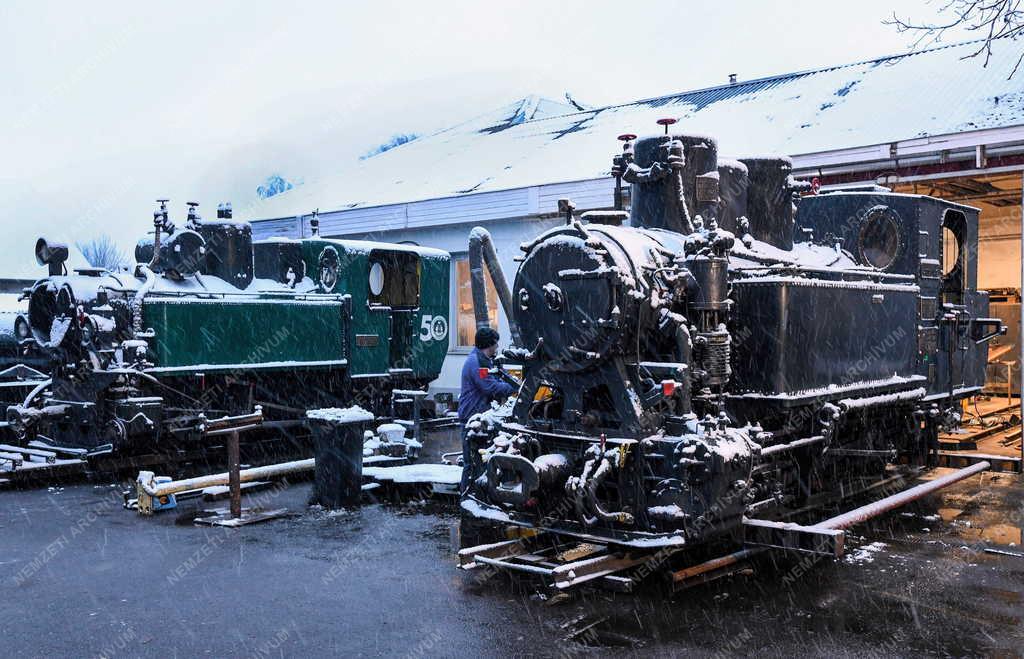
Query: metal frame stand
[416, 397]
[235, 515]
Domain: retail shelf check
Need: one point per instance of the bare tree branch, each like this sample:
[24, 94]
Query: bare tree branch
[993, 19]
[102, 252]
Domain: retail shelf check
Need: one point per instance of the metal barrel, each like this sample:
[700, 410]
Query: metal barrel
[733, 182]
[657, 202]
[770, 200]
[338, 451]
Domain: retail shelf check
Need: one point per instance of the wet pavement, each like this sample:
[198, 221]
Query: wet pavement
[80, 576]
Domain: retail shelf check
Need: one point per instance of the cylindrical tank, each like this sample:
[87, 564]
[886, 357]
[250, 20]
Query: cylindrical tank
[656, 203]
[228, 251]
[279, 259]
[182, 253]
[733, 182]
[770, 200]
[711, 283]
[584, 302]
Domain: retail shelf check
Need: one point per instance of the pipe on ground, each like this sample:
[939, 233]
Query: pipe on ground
[843, 521]
[146, 482]
[864, 513]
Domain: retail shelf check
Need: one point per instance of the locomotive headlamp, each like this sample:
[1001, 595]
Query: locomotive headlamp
[51, 254]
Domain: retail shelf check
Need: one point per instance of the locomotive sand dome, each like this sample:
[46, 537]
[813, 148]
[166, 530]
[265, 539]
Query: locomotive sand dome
[212, 323]
[728, 359]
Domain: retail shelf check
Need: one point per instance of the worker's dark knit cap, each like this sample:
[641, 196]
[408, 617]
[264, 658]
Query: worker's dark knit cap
[485, 338]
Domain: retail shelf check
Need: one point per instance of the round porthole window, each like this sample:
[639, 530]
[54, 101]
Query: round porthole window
[880, 238]
[376, 278]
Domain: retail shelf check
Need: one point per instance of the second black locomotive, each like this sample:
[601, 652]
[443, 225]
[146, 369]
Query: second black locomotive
[727, 352]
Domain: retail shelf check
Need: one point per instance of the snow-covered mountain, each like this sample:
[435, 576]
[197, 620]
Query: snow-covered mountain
[272, 185]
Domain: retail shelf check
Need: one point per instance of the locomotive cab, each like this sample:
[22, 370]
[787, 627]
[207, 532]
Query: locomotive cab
[931, 243]
[393, 280]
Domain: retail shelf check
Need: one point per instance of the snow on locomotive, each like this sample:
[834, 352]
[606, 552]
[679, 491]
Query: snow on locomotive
[700, 365]
[212, 322]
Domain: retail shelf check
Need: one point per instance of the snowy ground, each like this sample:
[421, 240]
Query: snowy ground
[81, 576]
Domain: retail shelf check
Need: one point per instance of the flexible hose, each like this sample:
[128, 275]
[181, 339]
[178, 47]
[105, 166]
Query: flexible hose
[584, 490]
[140, 295]
[481, 252]
[35, 392]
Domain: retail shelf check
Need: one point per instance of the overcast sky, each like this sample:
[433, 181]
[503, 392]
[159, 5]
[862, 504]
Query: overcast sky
[109, 105]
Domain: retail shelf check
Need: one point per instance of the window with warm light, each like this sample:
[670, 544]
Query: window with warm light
[466, 321]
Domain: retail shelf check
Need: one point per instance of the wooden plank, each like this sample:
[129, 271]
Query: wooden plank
[715, 564]
[224, 518]
[618, 584]
[997, 462]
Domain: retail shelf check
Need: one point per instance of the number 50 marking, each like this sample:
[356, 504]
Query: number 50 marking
[433, 328]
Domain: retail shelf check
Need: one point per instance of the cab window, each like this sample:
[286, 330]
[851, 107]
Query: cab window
[393, 279]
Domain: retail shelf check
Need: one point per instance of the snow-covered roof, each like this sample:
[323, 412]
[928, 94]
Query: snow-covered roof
[535, 141]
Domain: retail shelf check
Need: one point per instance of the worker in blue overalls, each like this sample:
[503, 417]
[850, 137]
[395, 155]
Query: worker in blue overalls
[479, 388]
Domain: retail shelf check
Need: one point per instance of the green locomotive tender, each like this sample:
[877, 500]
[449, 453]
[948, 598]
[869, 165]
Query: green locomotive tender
[211, 323]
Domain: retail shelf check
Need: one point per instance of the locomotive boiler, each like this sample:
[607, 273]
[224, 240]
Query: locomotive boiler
[211, 323]
[722, 352]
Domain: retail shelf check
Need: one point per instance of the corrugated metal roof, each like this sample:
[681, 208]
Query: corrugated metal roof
[533, 142]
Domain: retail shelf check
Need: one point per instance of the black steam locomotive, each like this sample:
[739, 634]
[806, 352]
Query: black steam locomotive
[744, 346]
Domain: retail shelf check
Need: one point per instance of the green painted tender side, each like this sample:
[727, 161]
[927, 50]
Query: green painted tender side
[229, 333]
[335, 328]
[419, 334]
